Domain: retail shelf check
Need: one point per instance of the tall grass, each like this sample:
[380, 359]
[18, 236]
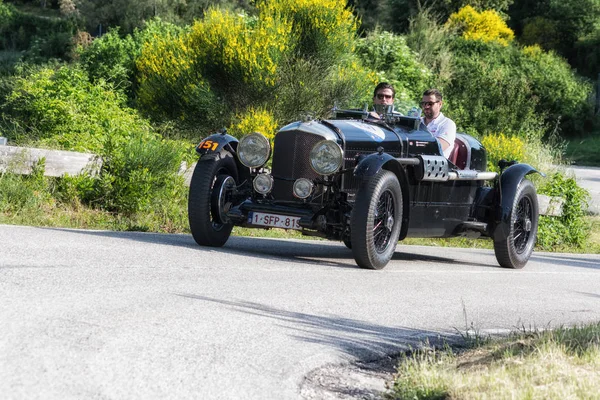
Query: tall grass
[556, 364]
[584, 150]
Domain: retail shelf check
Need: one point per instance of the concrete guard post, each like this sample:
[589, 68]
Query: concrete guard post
[20, 160]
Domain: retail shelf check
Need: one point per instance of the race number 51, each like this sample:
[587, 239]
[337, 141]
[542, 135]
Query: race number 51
[209, 145]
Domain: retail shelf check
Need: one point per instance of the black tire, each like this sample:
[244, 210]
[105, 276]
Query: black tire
[207, 229]
[348, 243]
[515, 250]
[376, 220]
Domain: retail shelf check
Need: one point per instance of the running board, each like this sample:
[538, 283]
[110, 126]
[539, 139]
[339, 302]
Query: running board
[472, 229]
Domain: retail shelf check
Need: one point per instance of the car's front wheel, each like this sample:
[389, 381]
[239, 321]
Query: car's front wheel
[208, 201]
[376, 219]
[514, 250]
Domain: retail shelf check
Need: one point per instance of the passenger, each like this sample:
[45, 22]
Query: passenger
[442, 127]
[383, 96]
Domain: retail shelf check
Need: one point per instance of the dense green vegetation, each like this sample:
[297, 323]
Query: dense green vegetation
[139, 83]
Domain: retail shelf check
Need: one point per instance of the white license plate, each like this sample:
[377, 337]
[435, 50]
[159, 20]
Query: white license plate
[274, 220]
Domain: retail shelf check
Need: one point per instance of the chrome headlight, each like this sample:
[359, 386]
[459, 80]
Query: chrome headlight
[263, 183]
[254, 150]
[326, 157]
[302, 188]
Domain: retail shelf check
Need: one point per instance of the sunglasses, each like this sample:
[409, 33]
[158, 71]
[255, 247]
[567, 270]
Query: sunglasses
[381, 96]
[428, 103]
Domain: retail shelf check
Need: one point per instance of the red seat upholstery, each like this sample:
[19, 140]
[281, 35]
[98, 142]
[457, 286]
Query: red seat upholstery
[461, 153]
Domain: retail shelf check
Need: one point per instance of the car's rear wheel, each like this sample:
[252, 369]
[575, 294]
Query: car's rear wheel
[514, 250]
[208, 202]
[376, 219]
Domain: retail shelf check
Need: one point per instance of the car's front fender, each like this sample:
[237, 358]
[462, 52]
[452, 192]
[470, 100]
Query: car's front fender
[508, 182]
[215, 143]
[370, 165]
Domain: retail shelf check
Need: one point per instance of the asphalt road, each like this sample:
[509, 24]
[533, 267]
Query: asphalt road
[93, 314]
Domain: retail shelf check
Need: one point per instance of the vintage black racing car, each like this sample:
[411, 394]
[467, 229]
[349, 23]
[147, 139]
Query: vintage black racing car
[366, 182]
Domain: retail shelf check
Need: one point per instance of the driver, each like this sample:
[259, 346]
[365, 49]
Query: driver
[442, 127]
[383, 96]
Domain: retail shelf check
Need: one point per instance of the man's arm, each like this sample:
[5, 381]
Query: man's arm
[447, 136]
[443, 142]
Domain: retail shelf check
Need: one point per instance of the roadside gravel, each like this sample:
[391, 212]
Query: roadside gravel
[357, 380]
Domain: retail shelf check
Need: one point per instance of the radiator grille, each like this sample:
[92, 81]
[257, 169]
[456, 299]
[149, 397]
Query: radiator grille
[349, 182]
[291, 161]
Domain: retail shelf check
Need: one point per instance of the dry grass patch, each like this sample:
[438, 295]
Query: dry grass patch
[558, 364]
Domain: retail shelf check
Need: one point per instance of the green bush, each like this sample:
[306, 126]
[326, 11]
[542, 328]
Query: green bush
[403, 12]
[6, 15]
[488, 94]
[563, 95]
[58, 107]
[498, 88]
[396, 63]
[24, 193]
[571, 227]
[137, 175]
[490, 87]
[308, 87]
[431, 42]
[112, 59]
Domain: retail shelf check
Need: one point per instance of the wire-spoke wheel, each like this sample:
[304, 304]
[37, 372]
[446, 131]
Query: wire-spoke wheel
[208, 202]
[514, 251]
[376, 219]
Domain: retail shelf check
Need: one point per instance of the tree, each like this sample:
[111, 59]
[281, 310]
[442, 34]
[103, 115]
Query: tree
[560, 25]
[128, 15]
[395, 15]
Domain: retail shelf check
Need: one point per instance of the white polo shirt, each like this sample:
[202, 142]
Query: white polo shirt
[443, 127]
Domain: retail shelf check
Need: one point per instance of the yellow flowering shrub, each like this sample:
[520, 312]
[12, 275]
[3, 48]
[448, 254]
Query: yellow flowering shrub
[165, 57]
[324, 27]
[502, 147]
[169, 82]
[487, 26]
[255, 120]
[292, 56]
[241, 46]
